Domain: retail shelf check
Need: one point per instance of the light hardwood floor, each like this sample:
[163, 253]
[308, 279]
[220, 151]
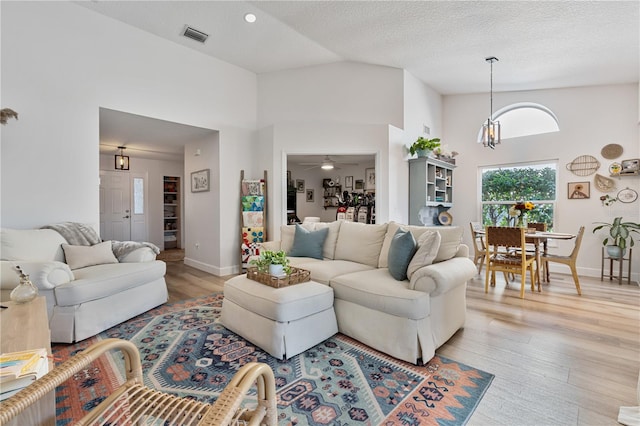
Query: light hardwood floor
[558, 358]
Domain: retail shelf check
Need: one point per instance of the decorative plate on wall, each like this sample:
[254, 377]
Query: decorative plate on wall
[584, 165]
[445, 218]
[627, 195]
[611, 151]
[615, 168]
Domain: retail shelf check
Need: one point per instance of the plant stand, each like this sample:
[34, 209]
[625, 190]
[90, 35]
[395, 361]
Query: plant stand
[620, 261]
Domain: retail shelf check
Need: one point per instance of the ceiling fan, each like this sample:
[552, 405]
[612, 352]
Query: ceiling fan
[327, 164]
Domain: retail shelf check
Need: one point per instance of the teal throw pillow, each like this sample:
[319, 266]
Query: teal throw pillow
[403, 247]
[308, 243]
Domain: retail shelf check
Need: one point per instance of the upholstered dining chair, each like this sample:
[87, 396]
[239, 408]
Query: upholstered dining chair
[479, 249]
[567, 260]
[501, 255]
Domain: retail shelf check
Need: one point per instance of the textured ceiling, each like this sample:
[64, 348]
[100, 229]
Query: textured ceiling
[540, 44]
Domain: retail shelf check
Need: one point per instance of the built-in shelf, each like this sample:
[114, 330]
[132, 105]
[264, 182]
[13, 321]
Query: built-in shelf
[430, 186]
[171, 222]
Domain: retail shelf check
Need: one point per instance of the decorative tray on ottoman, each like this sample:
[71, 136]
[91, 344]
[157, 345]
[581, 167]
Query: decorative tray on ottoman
[296, 276]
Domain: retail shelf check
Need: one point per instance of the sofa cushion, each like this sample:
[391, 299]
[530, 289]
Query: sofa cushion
[308, 243]
[377, 290]
[361, 243]
[323, 271]
[450, 239]
[403, 247]
[31, 244]
[82, 256]
[329, 249]
[100, 281]
[428, 246]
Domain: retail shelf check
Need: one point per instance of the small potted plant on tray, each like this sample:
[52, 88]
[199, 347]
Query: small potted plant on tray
[620, 234]
[423, 146]
[273, 262]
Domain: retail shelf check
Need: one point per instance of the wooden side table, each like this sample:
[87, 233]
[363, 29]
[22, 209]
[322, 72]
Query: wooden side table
[620, 261]
[22, 327]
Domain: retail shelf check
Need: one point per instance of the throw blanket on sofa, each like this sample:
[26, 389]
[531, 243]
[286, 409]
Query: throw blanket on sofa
[79, 234]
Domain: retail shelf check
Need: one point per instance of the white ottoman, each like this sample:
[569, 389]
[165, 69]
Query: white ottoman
[282, 321]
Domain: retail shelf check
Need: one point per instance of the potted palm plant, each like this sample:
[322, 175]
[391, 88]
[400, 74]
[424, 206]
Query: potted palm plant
[423, 146]
[273, 262]
[620, 234]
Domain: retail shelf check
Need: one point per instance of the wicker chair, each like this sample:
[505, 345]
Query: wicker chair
[568, 260]
[501, 243]
[134, 403]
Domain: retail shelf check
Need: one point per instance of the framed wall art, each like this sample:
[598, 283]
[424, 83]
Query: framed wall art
[578, 190]
[300, 185]
[359, 184]
[348, 182]
[370, 179]
[200, 181]
[310, 198]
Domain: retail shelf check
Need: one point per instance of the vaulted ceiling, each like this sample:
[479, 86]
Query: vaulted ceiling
[539, 44]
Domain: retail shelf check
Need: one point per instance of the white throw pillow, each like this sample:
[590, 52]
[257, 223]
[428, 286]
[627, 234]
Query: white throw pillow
[329, 249]
[428, 245]
[82, 256]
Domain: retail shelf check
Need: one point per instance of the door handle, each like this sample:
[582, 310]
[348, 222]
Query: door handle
[126, 217]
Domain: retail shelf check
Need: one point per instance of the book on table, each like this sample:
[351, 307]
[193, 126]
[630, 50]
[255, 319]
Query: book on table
[19, 369]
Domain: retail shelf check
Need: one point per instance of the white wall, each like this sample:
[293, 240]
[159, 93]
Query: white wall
[340, 108]
[339, 92]
[589, 117]
[60, 63]
[422, 107]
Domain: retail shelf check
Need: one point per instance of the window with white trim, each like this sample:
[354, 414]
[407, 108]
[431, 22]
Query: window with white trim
[505, 185]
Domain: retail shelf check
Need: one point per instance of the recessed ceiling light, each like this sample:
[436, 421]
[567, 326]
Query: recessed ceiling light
[250, 18]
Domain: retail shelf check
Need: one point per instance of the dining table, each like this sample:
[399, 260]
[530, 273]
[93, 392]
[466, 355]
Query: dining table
[539, 238]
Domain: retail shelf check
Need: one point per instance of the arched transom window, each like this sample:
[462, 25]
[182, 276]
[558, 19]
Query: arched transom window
[524, 119]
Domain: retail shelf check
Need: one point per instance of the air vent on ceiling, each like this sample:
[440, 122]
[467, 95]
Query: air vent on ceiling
[194, 34]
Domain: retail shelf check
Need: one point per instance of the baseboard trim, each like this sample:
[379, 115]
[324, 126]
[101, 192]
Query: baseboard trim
[211, 269]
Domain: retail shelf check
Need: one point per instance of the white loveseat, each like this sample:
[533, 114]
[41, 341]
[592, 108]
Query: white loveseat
[406, 319]
[85, 301]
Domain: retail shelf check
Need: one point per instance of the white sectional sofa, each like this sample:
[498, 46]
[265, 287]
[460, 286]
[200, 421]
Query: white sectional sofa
[407, 319]
[84, 301]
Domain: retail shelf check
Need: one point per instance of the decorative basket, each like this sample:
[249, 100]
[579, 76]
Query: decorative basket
[296, 276]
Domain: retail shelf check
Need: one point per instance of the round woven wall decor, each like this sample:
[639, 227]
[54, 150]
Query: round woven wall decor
[611, 151]
[584, 165]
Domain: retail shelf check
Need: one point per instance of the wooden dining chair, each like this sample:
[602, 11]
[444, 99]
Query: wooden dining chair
[479, 249]
[567, 260]
[500, 256]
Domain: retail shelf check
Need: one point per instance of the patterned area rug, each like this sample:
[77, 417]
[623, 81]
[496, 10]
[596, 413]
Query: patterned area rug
[185, 351]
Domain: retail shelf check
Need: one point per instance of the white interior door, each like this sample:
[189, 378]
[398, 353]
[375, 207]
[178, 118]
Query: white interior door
[115, 206]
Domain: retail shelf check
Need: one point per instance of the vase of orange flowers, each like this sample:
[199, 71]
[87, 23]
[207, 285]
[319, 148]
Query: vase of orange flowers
[519, 212]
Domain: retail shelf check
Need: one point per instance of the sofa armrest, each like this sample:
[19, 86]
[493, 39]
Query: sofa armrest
[463, 251]
[44, 275]
[270, 245]
[439, 278]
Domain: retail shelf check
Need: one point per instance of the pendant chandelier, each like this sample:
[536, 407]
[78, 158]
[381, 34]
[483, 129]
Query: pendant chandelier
[121, 160]
[491, 128]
